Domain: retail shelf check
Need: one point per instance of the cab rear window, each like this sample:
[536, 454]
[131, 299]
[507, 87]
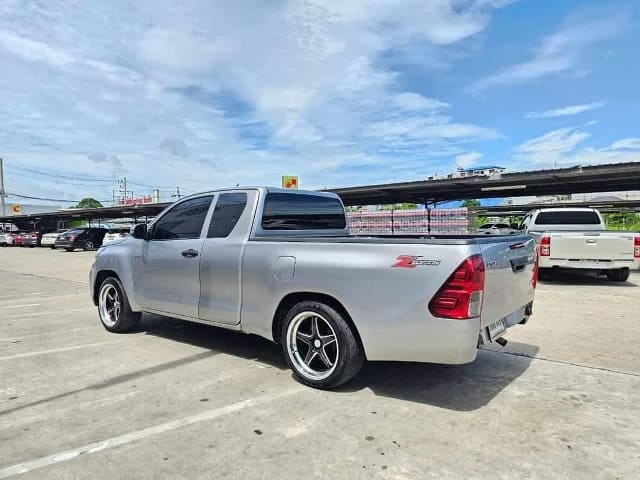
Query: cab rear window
[291, 211]
[567, 218]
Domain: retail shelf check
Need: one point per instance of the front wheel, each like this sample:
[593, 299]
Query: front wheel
[88, 245]
[114, 309]
[52, 247]
[320, 346]
[69, 249]
[620, 275]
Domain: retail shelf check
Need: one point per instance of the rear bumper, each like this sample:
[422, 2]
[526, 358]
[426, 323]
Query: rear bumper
[550, 262]
[435, 340]
[67, 244]
[47, 242]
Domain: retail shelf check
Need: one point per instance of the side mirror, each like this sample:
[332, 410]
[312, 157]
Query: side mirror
[140, 231]
[515, 226]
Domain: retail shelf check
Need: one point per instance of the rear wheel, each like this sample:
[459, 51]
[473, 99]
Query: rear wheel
[69, 249]
[88, 245]
[52, 247]
[114, 309]
[619, 275]
[320, 346]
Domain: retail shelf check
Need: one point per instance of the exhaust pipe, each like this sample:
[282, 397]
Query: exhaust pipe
[501, 341]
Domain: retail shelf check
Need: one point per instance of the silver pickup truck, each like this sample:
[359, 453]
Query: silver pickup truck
[281, 264]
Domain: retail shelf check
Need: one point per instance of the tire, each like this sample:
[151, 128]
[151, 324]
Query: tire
[619, 275]
[113, 307]
[69, 249]
[336, 355]
[88, 245]
[52, 247]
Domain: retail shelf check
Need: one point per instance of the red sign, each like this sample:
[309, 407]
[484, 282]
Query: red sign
[137, 200]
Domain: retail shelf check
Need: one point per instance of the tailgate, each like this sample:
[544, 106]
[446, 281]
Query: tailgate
[591, 246]
[509, 265]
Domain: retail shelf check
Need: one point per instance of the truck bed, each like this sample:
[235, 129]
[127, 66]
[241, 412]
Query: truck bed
[397, 239]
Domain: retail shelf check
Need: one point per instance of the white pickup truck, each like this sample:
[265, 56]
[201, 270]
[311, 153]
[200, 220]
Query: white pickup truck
[578, 238]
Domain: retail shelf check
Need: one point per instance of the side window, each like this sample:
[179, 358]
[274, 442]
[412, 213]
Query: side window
[185, 220]
[229, 208]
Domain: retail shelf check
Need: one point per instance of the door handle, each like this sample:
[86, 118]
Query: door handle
[190, 253]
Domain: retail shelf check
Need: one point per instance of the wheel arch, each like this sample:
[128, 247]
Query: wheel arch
[101, 276]
[294, 298]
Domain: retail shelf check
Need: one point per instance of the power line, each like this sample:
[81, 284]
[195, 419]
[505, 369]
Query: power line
[65, 175]
[54, 180]
[29, 197]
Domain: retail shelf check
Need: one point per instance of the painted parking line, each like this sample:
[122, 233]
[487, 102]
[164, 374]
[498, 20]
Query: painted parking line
[19, 295]
[43, 296]
[41, 314]
[45, 334]
[141, 434]
[56, 350]
[24, 305]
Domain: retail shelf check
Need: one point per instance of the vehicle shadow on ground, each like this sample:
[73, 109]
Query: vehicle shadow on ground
[215, 339]
[454, 387]
[576, 278]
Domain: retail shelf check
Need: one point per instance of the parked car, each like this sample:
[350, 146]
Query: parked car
[7, 239]
[31, 239]
[19, 237]
[115, 234]
[85, 238]
[281, 264]
[49, 239]
[577, 238]
[496, 229]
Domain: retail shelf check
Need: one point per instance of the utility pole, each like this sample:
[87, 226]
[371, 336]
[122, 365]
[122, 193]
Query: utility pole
[2, 187]
[2, 190]
[177, 194]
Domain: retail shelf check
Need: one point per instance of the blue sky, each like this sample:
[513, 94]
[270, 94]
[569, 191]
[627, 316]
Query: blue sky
[204, 94]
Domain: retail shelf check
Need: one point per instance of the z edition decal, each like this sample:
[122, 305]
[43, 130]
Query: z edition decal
[413, 261]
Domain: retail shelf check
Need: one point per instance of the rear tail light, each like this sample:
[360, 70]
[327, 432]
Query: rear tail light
[461, 295]
[73, 237]
[536, 271]
[545, 246]
[636, 247]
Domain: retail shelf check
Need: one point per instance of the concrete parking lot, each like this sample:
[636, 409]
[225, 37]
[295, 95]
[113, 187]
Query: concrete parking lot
[182, 400]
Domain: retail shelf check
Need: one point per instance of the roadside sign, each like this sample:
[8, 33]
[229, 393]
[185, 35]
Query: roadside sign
[16, 209]
[290, 181]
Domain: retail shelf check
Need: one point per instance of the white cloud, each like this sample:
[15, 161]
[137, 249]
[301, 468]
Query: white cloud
[563, 51]
[563, 147]
[247, 94]
[565, 111]
[412, 101]
[626, 144]
[31, 50]
[467, 159]
[556, 142]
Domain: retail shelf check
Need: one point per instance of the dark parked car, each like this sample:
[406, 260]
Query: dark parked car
[31, 239]
[85, 238]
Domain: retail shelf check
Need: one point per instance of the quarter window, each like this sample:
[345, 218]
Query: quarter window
[183, 221]
[229, 208]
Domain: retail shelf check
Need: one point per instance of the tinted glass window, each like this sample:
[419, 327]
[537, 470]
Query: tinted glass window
[502, 225]
[228, 209]
[185, 220]
[567, 218]
[487, 225]
[289, 211]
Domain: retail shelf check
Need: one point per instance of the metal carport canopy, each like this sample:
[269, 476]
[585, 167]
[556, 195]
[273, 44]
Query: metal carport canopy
[598, 178]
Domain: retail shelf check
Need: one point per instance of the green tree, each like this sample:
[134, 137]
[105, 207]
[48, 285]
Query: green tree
[470, 203]
[89, 203]
[628, 221]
